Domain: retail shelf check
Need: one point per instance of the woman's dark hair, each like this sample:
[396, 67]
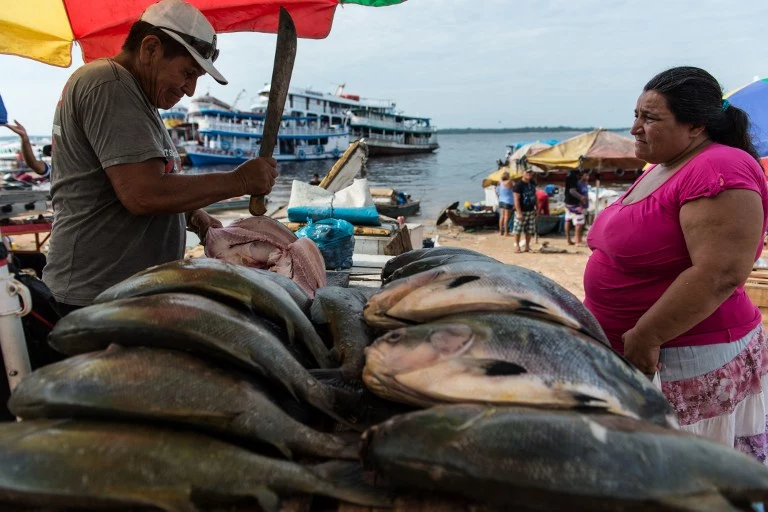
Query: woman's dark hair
[142, 29]
[695, 97]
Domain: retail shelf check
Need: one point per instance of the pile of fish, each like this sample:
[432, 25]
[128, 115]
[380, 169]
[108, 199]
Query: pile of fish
[203, 384]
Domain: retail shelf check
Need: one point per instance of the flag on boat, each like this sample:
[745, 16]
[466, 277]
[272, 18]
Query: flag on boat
[44, 30]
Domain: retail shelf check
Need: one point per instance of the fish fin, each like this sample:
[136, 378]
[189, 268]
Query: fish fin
[497, 368]
[462, 280]
[587, 401]
[349, 483]
[711, 502]
[268, 500]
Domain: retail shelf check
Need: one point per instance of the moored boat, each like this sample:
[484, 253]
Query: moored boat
[393, 203]
[314, 127]
[473, 219]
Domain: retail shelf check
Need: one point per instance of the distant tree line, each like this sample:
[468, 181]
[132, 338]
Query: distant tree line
[525, 129]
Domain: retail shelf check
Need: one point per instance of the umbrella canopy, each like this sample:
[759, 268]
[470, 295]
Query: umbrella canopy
[598, 149]
[753, 99]
[514, 164]
[44, 30]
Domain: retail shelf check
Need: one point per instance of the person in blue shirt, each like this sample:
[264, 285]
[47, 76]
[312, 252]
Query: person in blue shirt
[506, 202]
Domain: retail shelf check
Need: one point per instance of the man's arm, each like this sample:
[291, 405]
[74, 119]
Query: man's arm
[144, 189]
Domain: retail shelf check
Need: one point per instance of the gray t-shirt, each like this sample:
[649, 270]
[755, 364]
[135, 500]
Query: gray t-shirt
[103, 119]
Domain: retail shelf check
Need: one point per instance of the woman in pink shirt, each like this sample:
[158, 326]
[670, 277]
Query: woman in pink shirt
[670, 257]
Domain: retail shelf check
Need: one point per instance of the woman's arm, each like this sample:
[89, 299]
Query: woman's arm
[722, 235]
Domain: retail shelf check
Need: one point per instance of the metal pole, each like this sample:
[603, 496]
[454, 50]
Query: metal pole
[12, 341]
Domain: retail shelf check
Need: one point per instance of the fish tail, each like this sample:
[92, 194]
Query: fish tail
[348, 481]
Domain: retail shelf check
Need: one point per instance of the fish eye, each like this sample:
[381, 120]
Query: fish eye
[394, 337]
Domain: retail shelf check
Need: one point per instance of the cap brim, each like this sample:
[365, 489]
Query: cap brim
[206, 64]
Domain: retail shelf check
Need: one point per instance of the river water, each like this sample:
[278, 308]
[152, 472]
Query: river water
[453, 173]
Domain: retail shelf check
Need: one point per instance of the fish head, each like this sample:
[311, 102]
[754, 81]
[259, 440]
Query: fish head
[376, 310]
[411, 349]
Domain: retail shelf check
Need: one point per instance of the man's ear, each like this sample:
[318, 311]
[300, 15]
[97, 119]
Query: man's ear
[151, 48]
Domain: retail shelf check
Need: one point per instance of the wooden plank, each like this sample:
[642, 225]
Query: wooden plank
[399, 244]
[757, 293]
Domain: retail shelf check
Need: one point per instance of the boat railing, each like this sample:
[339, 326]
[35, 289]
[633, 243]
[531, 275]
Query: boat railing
[237, 128]
[387, 124]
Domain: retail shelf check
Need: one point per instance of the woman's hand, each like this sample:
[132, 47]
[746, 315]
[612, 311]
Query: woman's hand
[642, 352]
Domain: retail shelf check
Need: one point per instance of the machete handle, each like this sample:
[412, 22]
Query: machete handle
[257, 206]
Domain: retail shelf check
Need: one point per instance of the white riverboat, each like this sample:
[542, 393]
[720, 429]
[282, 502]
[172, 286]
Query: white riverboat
[315, 126]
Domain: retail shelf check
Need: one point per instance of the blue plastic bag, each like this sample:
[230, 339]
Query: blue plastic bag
[336, 240]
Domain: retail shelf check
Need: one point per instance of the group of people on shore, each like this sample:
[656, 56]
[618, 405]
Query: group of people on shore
[527, 202]
[668, 295]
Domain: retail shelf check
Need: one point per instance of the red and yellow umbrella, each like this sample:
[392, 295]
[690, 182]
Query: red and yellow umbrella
[44, 30]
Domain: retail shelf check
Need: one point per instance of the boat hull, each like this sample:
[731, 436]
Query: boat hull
[393, 210]
[474, 219]
[205, 156]
[386, 148]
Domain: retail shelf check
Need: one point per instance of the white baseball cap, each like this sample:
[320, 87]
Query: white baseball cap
[187, 25]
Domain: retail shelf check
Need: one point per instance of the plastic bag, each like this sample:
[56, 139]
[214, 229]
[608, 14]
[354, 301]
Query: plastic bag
[336, 240]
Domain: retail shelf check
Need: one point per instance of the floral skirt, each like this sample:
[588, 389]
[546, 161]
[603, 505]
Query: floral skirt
[721, 391]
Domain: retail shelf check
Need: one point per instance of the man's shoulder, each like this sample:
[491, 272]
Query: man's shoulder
[96, 73]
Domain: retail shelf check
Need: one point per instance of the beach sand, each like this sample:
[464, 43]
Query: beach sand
[565, 268]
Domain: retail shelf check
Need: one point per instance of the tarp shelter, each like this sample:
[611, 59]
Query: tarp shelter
[598, 149]
[44, 30]
[515, 164]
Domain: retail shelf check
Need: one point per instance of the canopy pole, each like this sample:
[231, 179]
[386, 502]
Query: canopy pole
[12, 341]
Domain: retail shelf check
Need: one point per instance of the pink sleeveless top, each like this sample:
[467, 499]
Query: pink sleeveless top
[638, 250]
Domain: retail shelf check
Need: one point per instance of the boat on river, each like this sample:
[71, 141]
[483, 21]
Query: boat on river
[315, 126]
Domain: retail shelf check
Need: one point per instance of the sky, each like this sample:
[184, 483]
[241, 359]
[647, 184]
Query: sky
[475, 63]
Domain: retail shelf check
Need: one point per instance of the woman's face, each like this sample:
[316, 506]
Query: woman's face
[659, 137]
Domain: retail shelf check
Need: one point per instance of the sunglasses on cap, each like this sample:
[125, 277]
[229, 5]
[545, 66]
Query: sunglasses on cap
[206, 50]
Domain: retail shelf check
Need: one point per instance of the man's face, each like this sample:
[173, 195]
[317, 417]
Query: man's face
[167, 80]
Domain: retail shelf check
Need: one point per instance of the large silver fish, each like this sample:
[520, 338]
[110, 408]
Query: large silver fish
[68, 464]
[509, 359]
[167, 386]
[478, 286]
[409, 257]
[195, 324]
[228, 283]
[561, 460]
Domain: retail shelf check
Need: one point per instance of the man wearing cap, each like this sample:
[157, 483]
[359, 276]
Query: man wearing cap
[118, 198]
